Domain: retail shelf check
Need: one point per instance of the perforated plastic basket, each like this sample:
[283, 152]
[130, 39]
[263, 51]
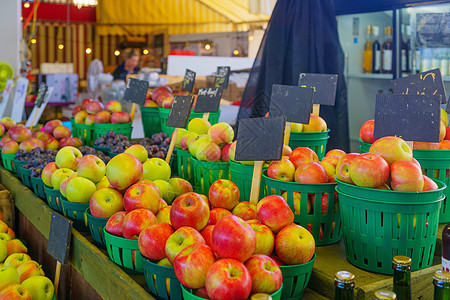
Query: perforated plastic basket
[96, 226]
[75, 212]
[124, 252]
[295, 279]
[188, 295]
[84, 132]
[17, 164]
[38, 186]
[206, 173]
[184, 166]
[317, 141]
[53, 198]
[364, 147]
[8, 161]
[159, 278]
[25, 176]
[150, 120]
[242, 175]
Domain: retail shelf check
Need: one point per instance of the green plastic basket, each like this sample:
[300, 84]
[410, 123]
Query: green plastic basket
[72, 124]
[17, 164]
[206, 173]
[378, 225]
[317, 141]
[8, 161]
[75, 212]
[164, 115]
[25, 176]
[242, 176]
[184, 166]
[150, 120]
[38, 187]
[156, 275]
[364, 147]
[103, 128]
[96, 226]
[123, 251]
[53, 198]
[324, 226]
[112, 154]
[84, 132]
[103, 149]
[188, 295]
[295, 279]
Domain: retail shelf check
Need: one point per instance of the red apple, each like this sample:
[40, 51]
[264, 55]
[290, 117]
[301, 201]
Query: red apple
[429, 184]
[113, 106]
[311, 172]
[105, 202]
[38, 142]
[286, 150]
[216, 214]
[192, 264]
[228, 279]
[366, 132]
[161, 97]
[316, 124]
[207, 234]
[67, 141]
[152, 241]
[19, 133]
[15, 246]
[7, 122]
[294, 245]
[336, 152]
[447, 133]
[76, 109]
[51, 125]
[85, 103]
[163, 215]
[15, 292]
[369, 170]
[52, 144]
[120, 117]
[303, 155]
[94, 107]
[274, 212]
[189, 210]
[141, 195]
[233, 238]
[43, 136]
[10, 147]
[406, 176]
[281, 170]
[90, 119]
[137, 220]
[265, 273]
[329, 163]
[80, 117]
[47, 172]
[102, 117]
[29, 269]
[27, 145]
[343, 167]
[224, 193]
[226, 153]
[392, 149]
[115, 223]
[4, 140]
[182, 238]
[265, 239]
[123, 170]
[245, 210]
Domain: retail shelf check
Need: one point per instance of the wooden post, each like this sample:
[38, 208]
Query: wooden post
[287, 133]
[172, 145]
[206, 116]
[34, 118]
[256, 182]
[316, 109]
[57, 275]
[133, 111]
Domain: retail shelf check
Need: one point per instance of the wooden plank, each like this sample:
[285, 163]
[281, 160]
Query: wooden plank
[109, 281]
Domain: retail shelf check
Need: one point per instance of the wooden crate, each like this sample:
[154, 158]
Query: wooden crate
[6, 207]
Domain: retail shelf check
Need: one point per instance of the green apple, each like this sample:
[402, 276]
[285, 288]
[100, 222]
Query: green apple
[104, 183]
[5, 238]
[181, 132]
[8, 276]
[139, 152]
[91, 167]
[59, 175]
[40, 287]
[195, 143]
[156, 168]
[16, 259]
[3, 251]
[199, 126]
[63, 185]
[180, 186]
[165, 190]
[296, 127]
[68, 157]
[80, 190]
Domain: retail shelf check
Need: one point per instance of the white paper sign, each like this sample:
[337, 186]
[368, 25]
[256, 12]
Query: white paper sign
[6, 96]
[38, 110]
[19, 99]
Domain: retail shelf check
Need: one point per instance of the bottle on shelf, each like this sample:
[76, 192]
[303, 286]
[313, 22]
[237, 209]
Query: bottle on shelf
[441, 281]
[446, 248]
[402, 277]
[367, 55]
[344, 283]
[386, 51]
[385, 295]
[404, 53]
[376, 50]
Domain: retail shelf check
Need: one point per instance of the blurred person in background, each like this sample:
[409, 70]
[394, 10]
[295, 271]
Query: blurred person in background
[128, 66]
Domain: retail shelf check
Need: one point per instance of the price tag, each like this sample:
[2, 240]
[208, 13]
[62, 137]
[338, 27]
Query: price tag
[222, 77]
[294, 102]
[136, 91]
[411, 117]
[208, 100]
[188, 81]
[324, 86]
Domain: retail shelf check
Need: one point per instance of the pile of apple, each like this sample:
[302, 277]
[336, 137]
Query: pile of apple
[389, 165]
[367, 129]
[91, 111]
[209, 240]
[20, 277]
[161, 97]
[206, 142]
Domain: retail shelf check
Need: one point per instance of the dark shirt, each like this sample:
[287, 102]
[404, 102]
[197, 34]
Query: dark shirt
[121, 73]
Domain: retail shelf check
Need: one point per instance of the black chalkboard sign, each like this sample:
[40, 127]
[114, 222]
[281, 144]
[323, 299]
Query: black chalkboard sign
[180, 111]
[324, 86]
[222, 77]
[411, 117]
[426, 83]
[59, 238]
[294, 102]
[208, 100]
[136, 91]
[260, 139]
[41, 94]
[188, 81]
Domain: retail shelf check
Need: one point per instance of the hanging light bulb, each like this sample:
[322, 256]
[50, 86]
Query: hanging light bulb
[88, 50]
[207, 46]
[117, 53]
[33, 41]
[145, 51]
[26, 4]
[236, 52]
[60, 46]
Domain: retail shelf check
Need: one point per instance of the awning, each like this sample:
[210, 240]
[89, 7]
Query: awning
[139, 17]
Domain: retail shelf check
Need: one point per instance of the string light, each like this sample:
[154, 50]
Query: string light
[236, 52]
[33, 41]
[26, 4]
[250, 37]
[207, 46]
[60, 46]
[88, 50]
[117, 53]
[145, 52]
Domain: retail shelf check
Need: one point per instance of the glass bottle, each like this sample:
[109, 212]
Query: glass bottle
[367, 55]
[344, 283]
[441, 281]
[446, 248]
[404, 52]
[386, 51]
[376, 51]
[385, 295]
[402, 277]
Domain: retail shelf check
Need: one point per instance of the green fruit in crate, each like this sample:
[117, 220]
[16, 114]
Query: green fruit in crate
[139, 152]
[316, 124]
[15, 291]
[181, 133]
[296, 127]
[3, 251]
[208, 151]
[40, 288]
[91, 167]
[163, 215]
[199, 126]
[80, 117]
[4, 237]
[265, 239]
[16, 259]
[392, 149]
[80, 190]
[180, 186]
[186, 139]
[58, 176]
[68, 157]
[166, 190]
[444, 117]
[156, 168]
[180, 239]
[47, 172]
[221, 133]
[195, 143]
[63, 185]
[123, 170]
[8, 276]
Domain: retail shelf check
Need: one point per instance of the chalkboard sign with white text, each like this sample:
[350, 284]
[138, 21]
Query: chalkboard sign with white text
[324, 86]
[188, 81]
[222, 77]
[180, 111]
[136, 91]
[208, 100]
[41, 94]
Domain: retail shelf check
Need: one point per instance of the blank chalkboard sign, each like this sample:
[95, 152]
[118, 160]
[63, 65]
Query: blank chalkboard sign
[294, 102]
[188, 81]
[324, 86]
[59, 238]
[180, 111]
[208, 100]
[41, 94]
[411, 117]
[136, 91]
[222, 77]
[260, 139]
[426, 83]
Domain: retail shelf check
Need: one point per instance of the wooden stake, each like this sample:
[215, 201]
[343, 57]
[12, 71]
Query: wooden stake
[205, 116]
[172, 145]
[57, 275]
[256, 182]
[316, 109]
[34, 118]
[133, 111]
[287, 133]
